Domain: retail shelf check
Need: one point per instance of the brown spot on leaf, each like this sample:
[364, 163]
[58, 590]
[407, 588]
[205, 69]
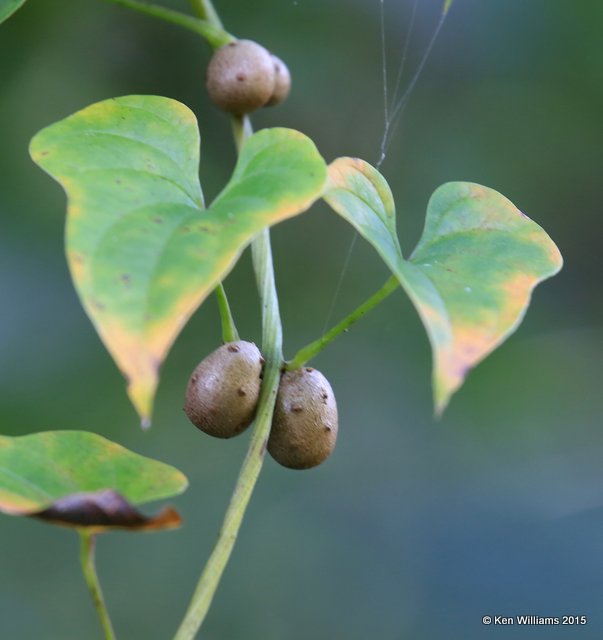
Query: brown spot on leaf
[105, 509]
[97, 305]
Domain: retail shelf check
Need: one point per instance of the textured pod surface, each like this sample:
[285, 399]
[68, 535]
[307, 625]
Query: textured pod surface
[223, 390]
[282, 82]
[304, 427]
[241, 77]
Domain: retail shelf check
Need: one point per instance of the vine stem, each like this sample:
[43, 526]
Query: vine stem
[272, 340]
[272, 344]
[208, 28]
[87, 560]
[272, 350]
[314, 348]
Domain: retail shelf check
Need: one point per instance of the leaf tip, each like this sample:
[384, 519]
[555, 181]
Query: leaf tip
[141, 392]
[556, 258]
[441, 399]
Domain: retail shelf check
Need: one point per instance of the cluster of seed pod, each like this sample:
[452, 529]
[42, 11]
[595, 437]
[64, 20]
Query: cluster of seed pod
[243, 76]
[222, 396]
[223, 391]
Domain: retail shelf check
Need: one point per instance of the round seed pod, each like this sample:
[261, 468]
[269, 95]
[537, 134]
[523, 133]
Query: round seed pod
[240, 77]
[304, 426]
[223, 391]
[282, 82]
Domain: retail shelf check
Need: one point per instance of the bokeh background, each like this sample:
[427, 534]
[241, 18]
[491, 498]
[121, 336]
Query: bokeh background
[414, 529]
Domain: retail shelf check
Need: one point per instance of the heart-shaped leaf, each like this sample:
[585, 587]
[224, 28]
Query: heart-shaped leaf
[472, 273]
[8, 7]
[81, 479]
[143, 252]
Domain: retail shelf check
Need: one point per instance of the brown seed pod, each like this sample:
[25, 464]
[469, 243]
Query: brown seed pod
[304, 427]
[241, 76]
[223, 391]
[282, 82]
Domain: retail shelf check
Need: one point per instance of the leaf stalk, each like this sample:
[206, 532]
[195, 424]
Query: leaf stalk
[88, 563]
[305, 354]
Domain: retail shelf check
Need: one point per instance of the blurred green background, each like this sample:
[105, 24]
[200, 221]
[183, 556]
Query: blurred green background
[414, 529]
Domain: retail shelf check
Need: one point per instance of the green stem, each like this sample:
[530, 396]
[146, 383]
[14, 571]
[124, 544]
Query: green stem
[252, 465]
[272, 351]
[311, 350]
[229, 329]
[87, 548]
[209, 29]
[205, 10]
[241, 130]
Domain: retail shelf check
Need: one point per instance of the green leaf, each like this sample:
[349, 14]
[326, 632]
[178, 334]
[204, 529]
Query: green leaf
[143, 252]
[72, 476]
[472, 273]
[8, 7]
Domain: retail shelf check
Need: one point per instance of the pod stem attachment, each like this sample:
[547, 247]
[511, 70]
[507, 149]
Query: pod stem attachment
[229, 329]
[206, 11]
[204, 26]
